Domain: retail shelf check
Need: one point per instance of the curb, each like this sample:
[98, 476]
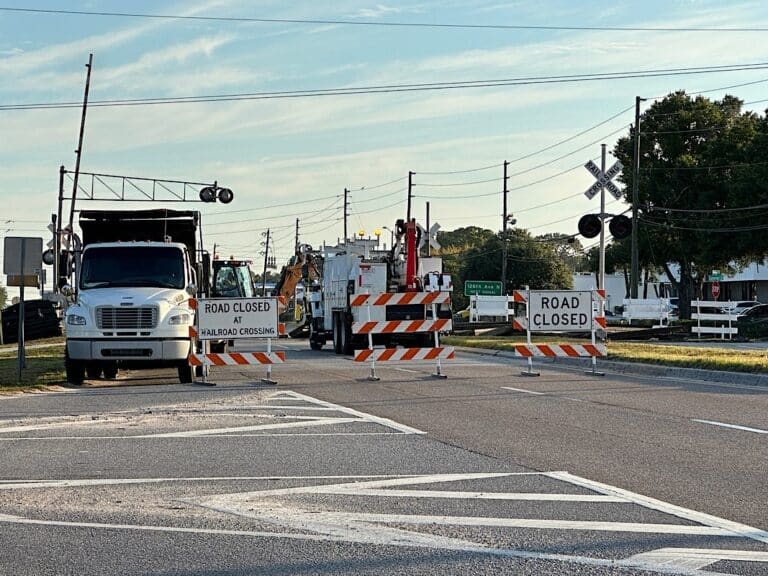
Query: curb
[620, 368]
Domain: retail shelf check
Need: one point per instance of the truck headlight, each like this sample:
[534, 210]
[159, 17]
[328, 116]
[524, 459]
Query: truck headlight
[76, 320]
[179, 319]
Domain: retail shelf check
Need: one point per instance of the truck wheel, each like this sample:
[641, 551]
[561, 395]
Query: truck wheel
[186, 373]
[110, 370]
[315, 345]
[93, 370]
[75, 370]
[336, 333]
[346, 336]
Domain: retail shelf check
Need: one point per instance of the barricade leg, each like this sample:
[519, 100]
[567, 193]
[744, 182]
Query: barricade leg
[530, 371]
[594, 371]
[268, 379]
[205, 369]
[437, 373]
[372, 377]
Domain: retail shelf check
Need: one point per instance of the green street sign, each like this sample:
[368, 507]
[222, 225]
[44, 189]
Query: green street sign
[715, 276]
[482, 288]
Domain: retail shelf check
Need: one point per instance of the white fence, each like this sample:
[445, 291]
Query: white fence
[647, 309]
[490, 308]
[719, 320]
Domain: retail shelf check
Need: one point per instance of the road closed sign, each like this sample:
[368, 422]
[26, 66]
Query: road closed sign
[236, 318]
[560, 310]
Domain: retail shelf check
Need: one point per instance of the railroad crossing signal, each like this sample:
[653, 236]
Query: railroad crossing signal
[429, 236]
[604, 179]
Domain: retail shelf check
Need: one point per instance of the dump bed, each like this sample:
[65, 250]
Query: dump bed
[140, 226]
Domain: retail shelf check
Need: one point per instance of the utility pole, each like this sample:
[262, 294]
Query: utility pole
[346, 211]
[601, 273]
[429, 246]
[634, 275]
[410, 193]
[266, 261]
[79, 151]
[57, 272]
[505, 218]
[296, 244]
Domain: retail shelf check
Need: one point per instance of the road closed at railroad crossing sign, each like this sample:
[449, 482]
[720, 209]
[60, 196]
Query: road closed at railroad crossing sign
[560, 310]
[234, 318]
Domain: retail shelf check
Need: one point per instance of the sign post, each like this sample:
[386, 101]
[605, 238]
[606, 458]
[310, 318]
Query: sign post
[22, 257]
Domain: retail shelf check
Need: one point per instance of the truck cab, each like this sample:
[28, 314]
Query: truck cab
[131, 297]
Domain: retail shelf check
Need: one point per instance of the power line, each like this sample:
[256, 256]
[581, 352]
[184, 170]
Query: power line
[707, 211]
[378, 185]
[459, 171]
[460, 183]
[343, 22]
[387, 195]
[711, 230]
[395, 88]
[276, 205]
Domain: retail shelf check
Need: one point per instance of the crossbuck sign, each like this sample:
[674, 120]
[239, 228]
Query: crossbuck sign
[604, 179]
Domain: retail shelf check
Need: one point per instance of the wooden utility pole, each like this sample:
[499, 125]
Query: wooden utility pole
[505, 219]
[79, 151]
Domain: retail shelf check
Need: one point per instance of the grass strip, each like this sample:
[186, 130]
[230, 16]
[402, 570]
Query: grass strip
[45, 367]
[723, 359]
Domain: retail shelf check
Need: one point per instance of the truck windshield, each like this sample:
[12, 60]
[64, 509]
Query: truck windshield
[150, 266]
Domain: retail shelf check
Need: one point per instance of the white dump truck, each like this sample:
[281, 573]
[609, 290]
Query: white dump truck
[135, 272]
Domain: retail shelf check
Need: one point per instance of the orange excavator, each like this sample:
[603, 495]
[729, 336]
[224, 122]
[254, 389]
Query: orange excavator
[302, 267]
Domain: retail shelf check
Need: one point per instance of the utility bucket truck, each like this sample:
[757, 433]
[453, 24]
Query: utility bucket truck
[134, 276]
[356, 268]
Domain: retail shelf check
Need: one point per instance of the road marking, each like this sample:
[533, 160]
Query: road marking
[521, 390]
[382, 537]
[543, 497]
[349, 416]
[733, 426]
[696, 558]
[362, 415]
[407, 370]
[281, 425]
[735, 528]
[74, 482]
[261, 435]
[267, 505]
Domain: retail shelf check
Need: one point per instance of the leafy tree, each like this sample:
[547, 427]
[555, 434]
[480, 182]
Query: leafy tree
[3, 296]
[699, 176]
[568, 248]
[530, 262]
[454, 246]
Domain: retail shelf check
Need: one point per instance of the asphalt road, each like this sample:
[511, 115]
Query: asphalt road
[485, 472]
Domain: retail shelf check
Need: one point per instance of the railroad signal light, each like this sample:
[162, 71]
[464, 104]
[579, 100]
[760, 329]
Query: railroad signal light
[208, 194]
[225, 195]
[590, 225]
[620, 227]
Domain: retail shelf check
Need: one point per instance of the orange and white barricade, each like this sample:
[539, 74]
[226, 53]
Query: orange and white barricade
[232, 319]
[434, 326]
[583, 310]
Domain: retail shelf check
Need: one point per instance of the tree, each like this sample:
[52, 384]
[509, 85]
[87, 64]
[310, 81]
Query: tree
[3, 296]
[568, 248]
[530, 262]
[455, 244]
[699, 176]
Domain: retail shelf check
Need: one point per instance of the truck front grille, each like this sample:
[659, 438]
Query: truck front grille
[139, 318]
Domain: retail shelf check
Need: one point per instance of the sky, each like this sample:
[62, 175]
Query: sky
[304, 152]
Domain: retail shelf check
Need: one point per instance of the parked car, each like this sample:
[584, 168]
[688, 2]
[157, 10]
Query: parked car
[740, 307]
[755, 314]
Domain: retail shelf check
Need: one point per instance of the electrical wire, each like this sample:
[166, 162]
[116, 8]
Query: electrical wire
[459, 183]
[377, 185]
[385, 24]
[275, 205]
[459, 171]
[395, 88]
